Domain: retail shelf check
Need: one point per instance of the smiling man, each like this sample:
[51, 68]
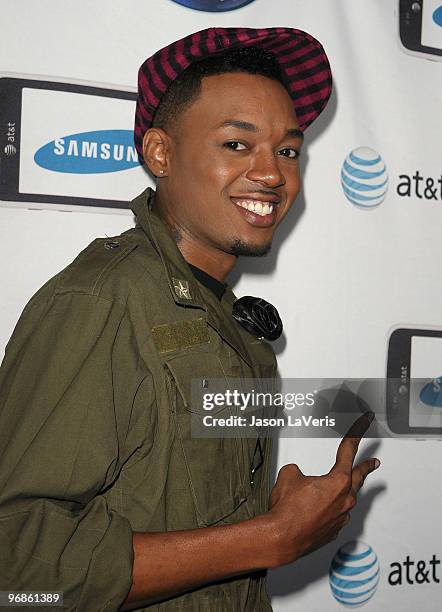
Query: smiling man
[105, 495]
[232, 168]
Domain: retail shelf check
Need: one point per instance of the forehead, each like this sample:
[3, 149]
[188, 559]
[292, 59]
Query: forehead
[250, 97]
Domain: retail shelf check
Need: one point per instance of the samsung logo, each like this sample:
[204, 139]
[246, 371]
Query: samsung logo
[89, 153]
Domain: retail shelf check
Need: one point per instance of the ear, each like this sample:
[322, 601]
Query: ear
[156, 147]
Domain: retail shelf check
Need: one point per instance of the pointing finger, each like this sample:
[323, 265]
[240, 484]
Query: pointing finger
[349, 444]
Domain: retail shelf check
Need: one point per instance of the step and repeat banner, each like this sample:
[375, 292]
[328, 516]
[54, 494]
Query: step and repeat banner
[355, 270]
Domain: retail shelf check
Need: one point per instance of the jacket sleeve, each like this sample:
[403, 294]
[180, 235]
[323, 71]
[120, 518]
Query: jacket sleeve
[68, 384]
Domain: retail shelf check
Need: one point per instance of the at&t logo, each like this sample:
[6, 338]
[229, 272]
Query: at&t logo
[365, 181]
[354, 574]
[10, 150]
[364, 178]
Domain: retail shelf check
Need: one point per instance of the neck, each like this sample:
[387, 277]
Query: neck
[207, 260]
[211, 260]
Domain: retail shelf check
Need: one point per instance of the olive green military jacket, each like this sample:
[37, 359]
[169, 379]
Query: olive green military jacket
[95, 439]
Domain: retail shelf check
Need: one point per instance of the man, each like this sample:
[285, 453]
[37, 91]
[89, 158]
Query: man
[105, 493]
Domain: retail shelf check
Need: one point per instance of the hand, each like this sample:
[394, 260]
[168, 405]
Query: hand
[307, 512]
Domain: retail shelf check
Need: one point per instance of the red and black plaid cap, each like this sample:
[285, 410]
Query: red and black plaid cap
[303, 62]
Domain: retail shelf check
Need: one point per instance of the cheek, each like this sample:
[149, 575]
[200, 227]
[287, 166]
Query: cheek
[223, 176]
[293, 182]
[208, 170]
[222, 166]
[292, 189]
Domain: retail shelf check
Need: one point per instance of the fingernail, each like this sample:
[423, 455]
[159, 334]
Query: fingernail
[377, 463]
[370, 415]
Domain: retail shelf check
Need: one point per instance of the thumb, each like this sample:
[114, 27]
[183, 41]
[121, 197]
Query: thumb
[289, 472]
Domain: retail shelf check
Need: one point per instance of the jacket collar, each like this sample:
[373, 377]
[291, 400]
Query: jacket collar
[182, 284]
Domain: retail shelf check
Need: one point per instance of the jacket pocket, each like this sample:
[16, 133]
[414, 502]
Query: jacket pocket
[217, 467]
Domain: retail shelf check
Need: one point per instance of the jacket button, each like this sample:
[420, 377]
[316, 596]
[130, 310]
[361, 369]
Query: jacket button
[111, 244]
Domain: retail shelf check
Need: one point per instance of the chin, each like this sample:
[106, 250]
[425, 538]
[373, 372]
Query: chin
[246, 249]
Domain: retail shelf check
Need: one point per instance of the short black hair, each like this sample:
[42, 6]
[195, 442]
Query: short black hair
[187, 86]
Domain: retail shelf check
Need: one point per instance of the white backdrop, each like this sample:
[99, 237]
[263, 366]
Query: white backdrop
[340, 275]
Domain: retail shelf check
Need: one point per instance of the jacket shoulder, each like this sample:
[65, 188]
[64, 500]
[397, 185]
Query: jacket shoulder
[108, 267]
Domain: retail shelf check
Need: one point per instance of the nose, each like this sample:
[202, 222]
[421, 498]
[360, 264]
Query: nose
[264, 168]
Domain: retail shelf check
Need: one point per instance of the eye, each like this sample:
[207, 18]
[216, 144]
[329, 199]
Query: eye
[234, 145]
[290, 153]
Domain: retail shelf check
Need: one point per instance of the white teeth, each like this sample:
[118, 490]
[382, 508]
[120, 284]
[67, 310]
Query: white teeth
[257, 207]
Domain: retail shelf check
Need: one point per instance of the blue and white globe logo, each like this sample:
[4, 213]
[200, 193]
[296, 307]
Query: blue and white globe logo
[214, 6]
[364, 178]
[354, 574]
[10, 150]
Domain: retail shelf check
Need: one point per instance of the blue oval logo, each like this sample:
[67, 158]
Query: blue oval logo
[89, 153]
[213, 6]
[437, 16]
[431, 393]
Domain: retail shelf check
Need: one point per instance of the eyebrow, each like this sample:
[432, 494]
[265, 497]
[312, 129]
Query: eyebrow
[251, 127]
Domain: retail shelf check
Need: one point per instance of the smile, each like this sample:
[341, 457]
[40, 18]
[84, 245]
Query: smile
[256, 206]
